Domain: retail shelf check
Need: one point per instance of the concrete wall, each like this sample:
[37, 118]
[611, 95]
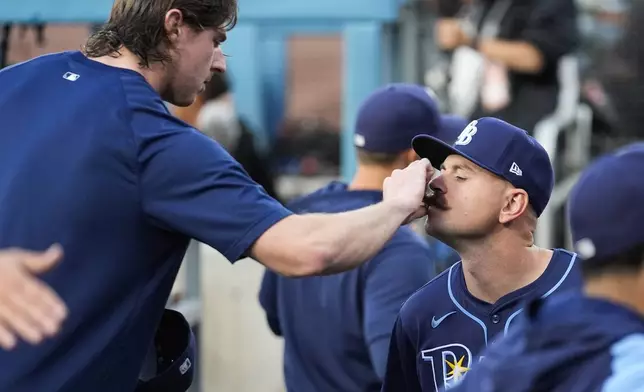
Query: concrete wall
[239, 353]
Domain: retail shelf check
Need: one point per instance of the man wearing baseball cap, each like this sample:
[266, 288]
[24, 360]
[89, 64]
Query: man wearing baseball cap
[594, 340]
[494, 183]
[336, 329]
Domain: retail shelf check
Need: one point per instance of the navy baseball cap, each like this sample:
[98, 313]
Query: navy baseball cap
[392, 115]
[604, 207]
[451, 126]
[501, 148]
[175, 355]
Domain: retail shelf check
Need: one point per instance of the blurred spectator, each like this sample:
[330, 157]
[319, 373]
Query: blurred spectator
[308, 147]
[218, 119]
[602, 24]
[4, 44]
[509, 50]
[621, 75]
[449, 8]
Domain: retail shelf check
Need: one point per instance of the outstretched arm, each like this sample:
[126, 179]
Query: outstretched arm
[319, 244]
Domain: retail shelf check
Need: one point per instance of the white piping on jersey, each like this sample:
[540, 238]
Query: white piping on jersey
[552, 290]
[468, 314]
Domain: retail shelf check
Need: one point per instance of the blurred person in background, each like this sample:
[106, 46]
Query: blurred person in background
[508, 51]
[336, 329]
[218, 119]
[620, 77]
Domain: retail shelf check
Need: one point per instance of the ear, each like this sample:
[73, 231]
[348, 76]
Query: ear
[173, 23]
[515, 203]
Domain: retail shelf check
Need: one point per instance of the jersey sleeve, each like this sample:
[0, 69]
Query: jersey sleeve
[191, 185]
[400, 374]
[392, 277]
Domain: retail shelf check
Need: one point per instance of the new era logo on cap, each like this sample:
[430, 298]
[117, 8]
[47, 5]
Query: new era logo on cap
[515, 169]
[359, 140]
[585, 248]
[501, 148]
[185, 366]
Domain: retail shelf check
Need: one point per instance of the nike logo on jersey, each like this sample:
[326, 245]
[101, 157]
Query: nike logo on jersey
[436, 323]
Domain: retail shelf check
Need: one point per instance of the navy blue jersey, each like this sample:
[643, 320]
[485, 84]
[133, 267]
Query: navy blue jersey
[92, 159]
[336, 328]
[567, 343]
[442, 329]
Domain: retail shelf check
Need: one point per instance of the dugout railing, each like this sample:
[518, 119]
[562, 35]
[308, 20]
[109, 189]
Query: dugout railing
[566, 136]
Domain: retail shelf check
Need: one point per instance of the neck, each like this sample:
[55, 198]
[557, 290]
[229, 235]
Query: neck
[128, 60]
[499, 266]
[370, 177]
[616, 288]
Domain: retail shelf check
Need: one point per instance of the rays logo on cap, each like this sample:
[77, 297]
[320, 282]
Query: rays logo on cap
[465, 137]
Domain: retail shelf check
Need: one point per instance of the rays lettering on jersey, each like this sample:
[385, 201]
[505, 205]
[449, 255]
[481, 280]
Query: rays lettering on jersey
[449, 363]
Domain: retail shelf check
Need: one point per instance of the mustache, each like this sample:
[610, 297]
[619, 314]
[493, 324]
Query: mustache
[434, 199]
[428, 199]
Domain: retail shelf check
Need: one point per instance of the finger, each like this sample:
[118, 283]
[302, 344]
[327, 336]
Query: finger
[7, 338]
[41, 262]
[421, 163]
[35, 314]
[419, 213]
[14, 318]
[55, 248]
[430, 170]
[45, 299]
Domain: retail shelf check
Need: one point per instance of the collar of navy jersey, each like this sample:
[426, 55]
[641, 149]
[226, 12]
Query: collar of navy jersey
[483, 309]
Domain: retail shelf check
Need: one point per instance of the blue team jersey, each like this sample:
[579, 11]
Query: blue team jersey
[567, 343]
[442, 329]
[92, 159]
[336, 328]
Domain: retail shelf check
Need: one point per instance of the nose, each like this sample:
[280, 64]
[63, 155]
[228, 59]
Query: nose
[438, 184]
[218, 62]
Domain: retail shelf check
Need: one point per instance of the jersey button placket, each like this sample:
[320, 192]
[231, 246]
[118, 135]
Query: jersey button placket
[496, 318]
